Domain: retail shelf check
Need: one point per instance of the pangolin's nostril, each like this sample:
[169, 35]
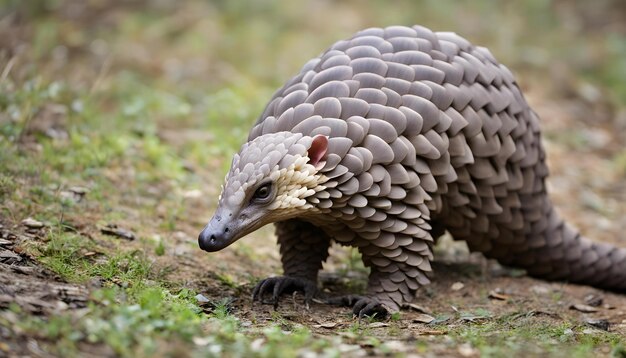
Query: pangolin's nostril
[213, 238]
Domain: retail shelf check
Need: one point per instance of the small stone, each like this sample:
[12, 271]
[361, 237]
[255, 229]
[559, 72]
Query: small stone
[75, 196]
[457, 286]
[540, 290]
[9, 257]
[113, 229]
[257, 344]
[79, 190]
[593, 300]
[61, 306]
[32, 223]
[466, 350]
[68, 195]
[349, 348]
[598, 323]
[202, 341]
[201, 298]
[396, 346]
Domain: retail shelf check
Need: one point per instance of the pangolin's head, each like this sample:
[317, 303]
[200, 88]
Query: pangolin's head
[272, 178]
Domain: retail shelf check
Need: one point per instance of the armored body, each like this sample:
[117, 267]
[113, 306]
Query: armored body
[384, 142]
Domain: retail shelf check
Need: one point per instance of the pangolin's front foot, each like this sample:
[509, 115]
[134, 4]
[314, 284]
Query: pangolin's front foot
[362, 305]
[284, 284]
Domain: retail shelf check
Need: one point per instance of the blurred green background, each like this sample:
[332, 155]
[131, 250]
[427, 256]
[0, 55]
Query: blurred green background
[212, 65]
[169, 89]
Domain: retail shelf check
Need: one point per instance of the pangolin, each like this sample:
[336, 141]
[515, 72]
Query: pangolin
[386, 141]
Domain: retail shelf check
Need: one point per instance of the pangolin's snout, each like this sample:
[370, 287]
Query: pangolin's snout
[215, 236]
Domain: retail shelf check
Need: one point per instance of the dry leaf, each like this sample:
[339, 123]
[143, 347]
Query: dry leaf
[583, 308]
[378, 324]
[498, 296]
[423, 318]
[418, 308]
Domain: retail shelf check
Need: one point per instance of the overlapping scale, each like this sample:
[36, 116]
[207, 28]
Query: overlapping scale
[424, 125]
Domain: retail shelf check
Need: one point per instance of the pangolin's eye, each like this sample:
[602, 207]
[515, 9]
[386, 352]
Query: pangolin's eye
[262, 192]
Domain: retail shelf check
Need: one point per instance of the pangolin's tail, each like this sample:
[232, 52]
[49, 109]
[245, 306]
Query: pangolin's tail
[554, 250]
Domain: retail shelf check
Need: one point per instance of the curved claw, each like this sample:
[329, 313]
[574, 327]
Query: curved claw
[284, 284]
[261, 288]
[361, 305]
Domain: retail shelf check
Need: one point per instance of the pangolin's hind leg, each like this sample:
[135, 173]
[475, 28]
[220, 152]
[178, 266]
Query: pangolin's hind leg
[303, 249]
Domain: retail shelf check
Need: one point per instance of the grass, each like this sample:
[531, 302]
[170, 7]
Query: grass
[138, 313]
[154, 109]
[154, 321]
[526, 337]
[133, 326]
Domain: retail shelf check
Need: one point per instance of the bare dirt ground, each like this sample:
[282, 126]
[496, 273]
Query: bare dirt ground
[467, 290]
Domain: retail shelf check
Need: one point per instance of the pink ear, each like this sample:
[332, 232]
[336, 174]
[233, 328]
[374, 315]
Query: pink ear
[318, 149]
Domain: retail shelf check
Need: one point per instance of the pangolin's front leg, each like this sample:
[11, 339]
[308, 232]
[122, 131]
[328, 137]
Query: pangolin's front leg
[303, 249]
[396, 272]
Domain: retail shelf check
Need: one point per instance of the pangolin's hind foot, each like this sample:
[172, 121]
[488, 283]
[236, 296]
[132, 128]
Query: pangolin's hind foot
[284, 284]
[362, 306]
